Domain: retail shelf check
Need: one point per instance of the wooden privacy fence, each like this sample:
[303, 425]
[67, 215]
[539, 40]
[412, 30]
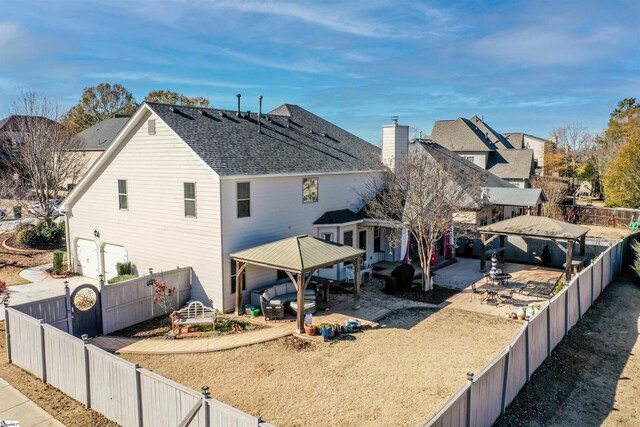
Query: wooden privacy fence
[130, 302]
[487, 394]
[114, 387]
[594, 215]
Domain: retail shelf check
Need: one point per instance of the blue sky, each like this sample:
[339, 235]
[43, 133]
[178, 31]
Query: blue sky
[524, 65]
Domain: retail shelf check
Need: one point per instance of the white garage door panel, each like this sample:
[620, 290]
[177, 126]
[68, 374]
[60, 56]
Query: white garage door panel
[113, 254]
[87, 258]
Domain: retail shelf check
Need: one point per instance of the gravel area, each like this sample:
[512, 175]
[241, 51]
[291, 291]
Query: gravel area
[396, 374]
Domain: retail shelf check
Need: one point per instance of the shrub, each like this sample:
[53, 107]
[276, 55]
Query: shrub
[57, 262]
[124, 268]
[636, 261]
[121, 278]
[545, 257]
[41, 235]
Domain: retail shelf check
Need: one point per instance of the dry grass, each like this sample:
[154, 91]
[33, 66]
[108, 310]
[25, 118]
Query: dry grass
[397, 374]
[66, 410]
[10, 273]
[593, 376]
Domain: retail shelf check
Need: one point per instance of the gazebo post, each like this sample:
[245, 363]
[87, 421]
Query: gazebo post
[357, 262]
[300, 315]
[483, 253]
[569, 261]
[583, 244]
[240, 266]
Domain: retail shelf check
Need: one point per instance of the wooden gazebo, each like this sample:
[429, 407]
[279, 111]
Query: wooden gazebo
[299, 257]
[534, 226]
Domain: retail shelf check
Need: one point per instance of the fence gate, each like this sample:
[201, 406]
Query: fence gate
[85, 308]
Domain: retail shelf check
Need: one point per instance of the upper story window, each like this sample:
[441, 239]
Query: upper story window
[309, 190]
[123, 201]
[470, 158]
[190, 199]
[151, 126]
[327, 236]
[243, 196]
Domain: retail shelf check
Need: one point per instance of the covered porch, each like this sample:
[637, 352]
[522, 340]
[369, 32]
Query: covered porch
[559, 232]
[300, 257]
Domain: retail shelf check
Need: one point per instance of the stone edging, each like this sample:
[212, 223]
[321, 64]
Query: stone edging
[22, 251]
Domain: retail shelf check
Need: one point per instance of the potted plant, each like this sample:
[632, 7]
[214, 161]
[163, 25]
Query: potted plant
[326, 329]
[309, 329]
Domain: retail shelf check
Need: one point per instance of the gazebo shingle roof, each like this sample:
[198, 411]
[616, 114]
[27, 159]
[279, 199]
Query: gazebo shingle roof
[536, 226]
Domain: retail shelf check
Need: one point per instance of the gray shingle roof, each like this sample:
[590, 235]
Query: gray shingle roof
[99, 136]
[341, 216]
[536, 226]
[468, 135]
[515, 138]
[292, 140]
[511, 164]
[498, 140]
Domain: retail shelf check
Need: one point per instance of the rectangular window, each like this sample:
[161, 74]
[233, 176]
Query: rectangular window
[470, 158]
[327, 236]
[190, 199]
[377, 239]
[309, 190]
[243, 195]
[233, 278]
[362, 239]
[123, 202]
[347, 238]
[151, 126]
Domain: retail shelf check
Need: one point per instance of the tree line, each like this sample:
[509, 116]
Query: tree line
[609, 160]
[105, 100]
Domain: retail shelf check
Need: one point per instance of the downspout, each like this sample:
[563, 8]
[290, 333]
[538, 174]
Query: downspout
[68, 242]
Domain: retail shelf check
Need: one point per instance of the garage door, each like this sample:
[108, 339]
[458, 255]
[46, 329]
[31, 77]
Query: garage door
[113, 254]
[87, 258]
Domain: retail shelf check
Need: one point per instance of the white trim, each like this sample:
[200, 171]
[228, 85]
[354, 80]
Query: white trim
[342, 224]
[309, 174]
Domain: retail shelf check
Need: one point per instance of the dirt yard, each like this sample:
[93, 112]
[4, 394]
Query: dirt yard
[397, 374]
[607, 232]
[593, 376]
[66, 410]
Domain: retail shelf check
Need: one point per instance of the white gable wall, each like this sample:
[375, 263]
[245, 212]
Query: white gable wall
[154, 230]
[277, 212]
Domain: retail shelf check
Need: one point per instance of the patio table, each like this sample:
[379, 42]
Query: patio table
[500, 279]
[492, 294]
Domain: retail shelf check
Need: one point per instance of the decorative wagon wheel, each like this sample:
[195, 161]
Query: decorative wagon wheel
[85, 299]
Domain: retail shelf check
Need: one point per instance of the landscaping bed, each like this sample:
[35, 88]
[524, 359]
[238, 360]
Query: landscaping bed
[435, 296]
[65, 409]
[398, 373]
[15, 262]
[158, 327]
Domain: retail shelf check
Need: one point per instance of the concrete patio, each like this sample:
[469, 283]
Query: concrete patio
[466, 272]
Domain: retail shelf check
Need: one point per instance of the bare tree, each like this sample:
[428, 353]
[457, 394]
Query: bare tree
[423, 195]
[555, 189]
[42, 154]
[575, 141]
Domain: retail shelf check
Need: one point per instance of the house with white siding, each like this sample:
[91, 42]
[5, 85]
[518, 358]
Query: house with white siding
[183, 186]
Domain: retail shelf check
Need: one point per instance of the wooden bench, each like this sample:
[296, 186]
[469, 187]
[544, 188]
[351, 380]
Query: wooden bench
[193, 314]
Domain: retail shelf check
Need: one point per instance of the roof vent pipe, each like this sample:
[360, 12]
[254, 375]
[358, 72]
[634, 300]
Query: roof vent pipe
[394, 119]
[260, 115]
[238, 113]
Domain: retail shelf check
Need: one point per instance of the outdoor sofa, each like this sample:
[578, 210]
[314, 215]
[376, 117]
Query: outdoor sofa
[274, 298]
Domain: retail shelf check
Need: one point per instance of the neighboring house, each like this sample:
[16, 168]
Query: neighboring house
[477, 142]
[524, 140]
[11, 128]
[97, 138]
[185, 186]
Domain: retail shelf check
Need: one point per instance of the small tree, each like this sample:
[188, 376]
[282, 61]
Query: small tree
[170, 97]
[42, 155]
[555, 189]
[162, 293]
[428, 189]
[4, 292]
[575, 141]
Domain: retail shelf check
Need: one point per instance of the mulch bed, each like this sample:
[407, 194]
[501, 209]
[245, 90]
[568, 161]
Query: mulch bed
[435, 296]
[158, 327]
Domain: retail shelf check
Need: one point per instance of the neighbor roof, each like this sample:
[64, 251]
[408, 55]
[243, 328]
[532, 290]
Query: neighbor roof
[536, 226]
[15, 123]
[292, 140]
[100, 135]
[341, 216]
[515, 196]
[299, 253]
[515, 138]
[509, 164]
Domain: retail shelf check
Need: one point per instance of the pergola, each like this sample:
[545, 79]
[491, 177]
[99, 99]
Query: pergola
[298, 256]
[534, 226]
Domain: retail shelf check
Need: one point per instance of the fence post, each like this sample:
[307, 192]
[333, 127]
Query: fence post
[138, 394]
[470, 379]
[526, 348]
[504, 380]
[592, 285]
[548, 310]
[579, 298]
[601, 259]
[566, 312]
[6, 331]
[87, 372]
[42, 351]
[206, 398]
[103, 309]
[67, 301]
